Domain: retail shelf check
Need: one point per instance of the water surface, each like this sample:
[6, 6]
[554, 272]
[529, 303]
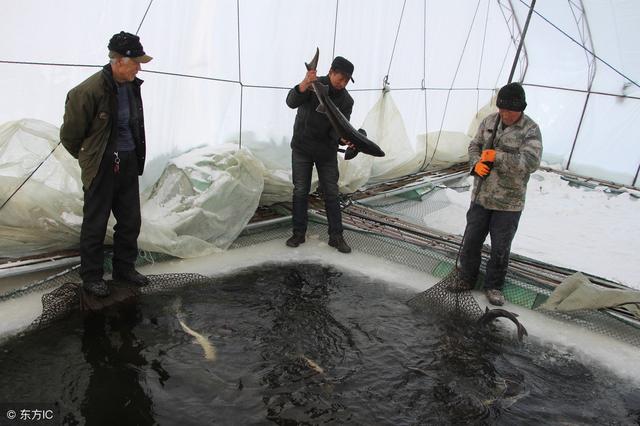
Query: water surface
[301, 344]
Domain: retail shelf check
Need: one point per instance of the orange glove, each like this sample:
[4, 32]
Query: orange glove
[481, 169]
[488, 156]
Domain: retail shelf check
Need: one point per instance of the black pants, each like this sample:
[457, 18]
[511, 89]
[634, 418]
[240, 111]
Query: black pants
[502, 227]
[117, 192]
[301, 170]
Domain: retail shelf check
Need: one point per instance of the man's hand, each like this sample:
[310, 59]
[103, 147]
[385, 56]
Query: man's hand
[488, 156]
[481, 169]
[346, 142]
[309, 78]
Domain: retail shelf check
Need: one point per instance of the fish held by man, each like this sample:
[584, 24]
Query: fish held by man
[339, 122]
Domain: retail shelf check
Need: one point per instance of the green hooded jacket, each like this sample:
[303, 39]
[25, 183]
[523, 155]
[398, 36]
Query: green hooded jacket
[91, 120]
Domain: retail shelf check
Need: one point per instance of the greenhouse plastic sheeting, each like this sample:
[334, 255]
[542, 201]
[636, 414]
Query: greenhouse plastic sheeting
[45, 213]
[200, 204]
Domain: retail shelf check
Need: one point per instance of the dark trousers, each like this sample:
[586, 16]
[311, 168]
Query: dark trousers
[301, 169]
[502, 227]
[117, 192]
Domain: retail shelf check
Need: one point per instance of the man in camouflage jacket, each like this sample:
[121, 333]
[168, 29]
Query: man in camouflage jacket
[502, 164]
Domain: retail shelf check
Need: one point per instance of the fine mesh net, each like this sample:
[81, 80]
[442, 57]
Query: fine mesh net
[69, 296]
[438, 299]
[519, 288]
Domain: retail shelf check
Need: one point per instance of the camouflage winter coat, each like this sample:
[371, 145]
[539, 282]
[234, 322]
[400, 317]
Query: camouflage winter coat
[518, 152]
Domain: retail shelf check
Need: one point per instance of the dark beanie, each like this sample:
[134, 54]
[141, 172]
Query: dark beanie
[512, 97]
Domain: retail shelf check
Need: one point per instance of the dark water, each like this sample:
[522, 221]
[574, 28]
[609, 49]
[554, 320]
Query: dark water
[274, 329]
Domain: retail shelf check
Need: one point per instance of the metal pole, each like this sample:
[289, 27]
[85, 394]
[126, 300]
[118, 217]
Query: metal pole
[524, 32]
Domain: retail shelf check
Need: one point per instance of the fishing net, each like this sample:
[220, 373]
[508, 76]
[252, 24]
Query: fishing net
[70, 297]
[446, 298]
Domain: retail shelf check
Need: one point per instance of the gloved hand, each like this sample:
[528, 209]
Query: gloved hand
[481, 169]
[488, 156]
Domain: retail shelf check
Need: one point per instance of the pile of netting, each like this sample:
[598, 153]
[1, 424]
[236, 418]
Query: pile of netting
[69, 296]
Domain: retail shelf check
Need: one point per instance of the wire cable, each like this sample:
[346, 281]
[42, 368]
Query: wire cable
[29, 176]
[335, 29]
[583, 46]
[453, 80]
[484, 38]
[144, 16]
[393, 51]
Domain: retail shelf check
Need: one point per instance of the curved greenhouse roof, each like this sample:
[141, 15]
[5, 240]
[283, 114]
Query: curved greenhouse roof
[221, 68]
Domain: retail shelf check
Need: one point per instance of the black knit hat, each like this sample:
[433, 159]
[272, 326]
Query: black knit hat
[342, 65]
[512, 97]
[127, 44]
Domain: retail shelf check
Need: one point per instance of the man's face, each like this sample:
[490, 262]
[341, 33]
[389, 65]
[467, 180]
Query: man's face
[338, 79]
[125, 69]
[509, 117]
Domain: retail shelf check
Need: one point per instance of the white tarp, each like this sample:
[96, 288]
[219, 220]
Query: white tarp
[221, 72]
[200, 204]
[222, 68]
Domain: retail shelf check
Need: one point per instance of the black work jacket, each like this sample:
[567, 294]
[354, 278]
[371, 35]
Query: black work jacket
[312, 131]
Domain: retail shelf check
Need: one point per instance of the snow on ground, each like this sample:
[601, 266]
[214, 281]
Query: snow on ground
[588, 230]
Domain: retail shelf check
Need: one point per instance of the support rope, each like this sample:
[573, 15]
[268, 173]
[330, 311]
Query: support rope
[424, 83]
[393, 51]
[484, 38]
[239, 76]
[144, 16]
[29, 176]
[583, 46]
[335, 30]
[453, 80]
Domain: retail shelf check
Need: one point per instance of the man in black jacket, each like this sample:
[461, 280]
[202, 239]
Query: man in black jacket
[316, 142]
[104, 129]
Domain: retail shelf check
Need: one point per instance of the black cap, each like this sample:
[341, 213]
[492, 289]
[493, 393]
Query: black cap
[128, 45]
[512, 97]
[343, 65]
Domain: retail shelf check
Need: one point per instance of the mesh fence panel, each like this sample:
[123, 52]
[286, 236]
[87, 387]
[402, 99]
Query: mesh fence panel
[519, 290]
[438, 299]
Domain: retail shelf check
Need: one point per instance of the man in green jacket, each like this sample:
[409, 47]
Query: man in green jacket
[104, 129]
[502, 172]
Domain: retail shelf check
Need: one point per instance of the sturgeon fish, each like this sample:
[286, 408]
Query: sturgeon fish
[339, 122]
[210, 352]
[491, 314]
[312, 364]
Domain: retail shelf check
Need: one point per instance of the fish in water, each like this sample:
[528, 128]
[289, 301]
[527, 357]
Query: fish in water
[210, 352]
[491, 314]
[313, 365]
[339, 122]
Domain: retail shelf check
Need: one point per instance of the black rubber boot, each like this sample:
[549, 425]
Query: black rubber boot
[295, 240]
[338, 242]
[130, 276]
[97, 288]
